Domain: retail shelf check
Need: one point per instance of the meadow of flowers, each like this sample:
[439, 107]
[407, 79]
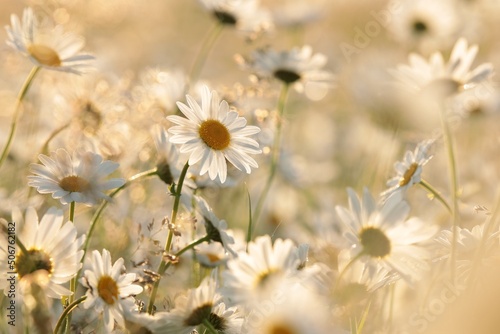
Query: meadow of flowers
[244, 166]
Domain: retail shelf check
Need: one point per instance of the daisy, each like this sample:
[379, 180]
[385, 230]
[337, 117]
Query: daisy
[440, 79]
[410, 169]
[246, 15]
[216, 228]
[383, 234]
[297, 311]
[212, 133]
[109, 291]
[255, 274]
[298, 67]
[199, 306]
[55, 49]
[211, 255]
[74, 179]
[425, 24]
[163, 88]
[95, 112]
[51, 245]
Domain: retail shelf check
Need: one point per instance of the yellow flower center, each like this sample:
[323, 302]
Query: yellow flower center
[280, 329]
[374, 241]
[215, 134]
[286, 76]
[265, 278]
[212, 257]
[408, 174]
[35, 260]
[198, 315]
[107, 289]
[44, 55]
[74, 183]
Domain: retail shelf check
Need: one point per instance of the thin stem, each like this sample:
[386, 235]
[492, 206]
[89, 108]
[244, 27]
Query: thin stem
[19, 100]
[67, 312]
[209, 327]
[202, 56]
[163, 265]
[250, 221]
[436, 194]
[72, 283]
[454, 188]
[342, 273]
[274, 157]
[45, 147]
[103, 205]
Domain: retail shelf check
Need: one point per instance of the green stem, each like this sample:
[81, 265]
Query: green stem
[209, 327]
[103, 205]
[67, 312]
[163, 265]
[274, 157]
[454, 189]
[20, 98]
[342, 273]
[436, 194]
[72, 283]
[202, 56]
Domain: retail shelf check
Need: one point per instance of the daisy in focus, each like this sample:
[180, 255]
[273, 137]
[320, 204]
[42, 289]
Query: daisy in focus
[54, 49]
[202, 306]
[77, 179]
[51, 245]
[383, 234]
[298, 67]
[212, 133]
[409, 170]
[443, 79]
[109, 291]
[246, 15]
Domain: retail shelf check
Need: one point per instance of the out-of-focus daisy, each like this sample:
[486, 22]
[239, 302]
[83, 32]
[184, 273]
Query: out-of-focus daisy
[297, 13]
[298, 67]
[211, 255]
[296, 311]
[425, 24]
[212, 133]
[163, 88]
[109, 291]
[216, 228]
[95, 111]
[51, 245]
[246, 15]
[74, 179]
[410, 169]
[383, 234]
[442, 79]
[199, 306]
[254, 275]
[54, 49]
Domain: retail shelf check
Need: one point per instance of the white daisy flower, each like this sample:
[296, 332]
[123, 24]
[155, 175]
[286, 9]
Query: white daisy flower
[52, 245]
[212, 133]
[211, 255]
[216, 228]
[55, 49]
[298, 67]
[383, 234]
[164, 87]
[410, 169]
[109, 291]
[296, 311]
[425, 24]
[246, 15]
[443, 79]
[74, 179]
[360, 280]
[253, 275]
[200, 305]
